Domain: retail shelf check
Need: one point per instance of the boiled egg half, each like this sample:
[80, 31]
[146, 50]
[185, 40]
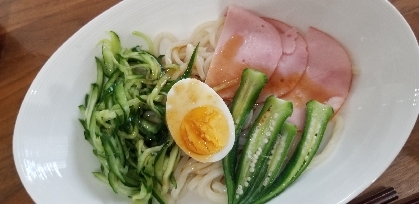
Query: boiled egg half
[199, 120]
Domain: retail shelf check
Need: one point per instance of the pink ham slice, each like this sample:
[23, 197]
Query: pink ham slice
[292, 63]
[327, 78]
[246, 41]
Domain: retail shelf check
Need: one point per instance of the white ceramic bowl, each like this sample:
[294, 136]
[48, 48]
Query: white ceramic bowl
[55, 162]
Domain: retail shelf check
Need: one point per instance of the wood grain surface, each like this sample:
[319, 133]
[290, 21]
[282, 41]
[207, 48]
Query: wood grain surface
[31, 30]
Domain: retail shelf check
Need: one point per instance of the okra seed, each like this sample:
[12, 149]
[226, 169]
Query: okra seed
[272, 124]
[239, 189]
[265, 182]
[251, 169]
[249, 154]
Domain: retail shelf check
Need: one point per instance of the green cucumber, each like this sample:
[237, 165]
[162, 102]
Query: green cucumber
[146, 159]
[257, 149]
[147, 39]
[251, 85]
[171, 163]
[113, 159]
[121, 99]
[155, 93]
[110, 48]
[147, 127]
[91, 102]
[113, 181]
[125, 140]
[100, 77]
[145, 195]
[95, 140]
[159, 164]
[317, 117]
[191, 63]
[109, 85]
[157, 194]
[132, 178]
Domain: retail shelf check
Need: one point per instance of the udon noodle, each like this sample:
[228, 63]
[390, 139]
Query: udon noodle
[179, 52]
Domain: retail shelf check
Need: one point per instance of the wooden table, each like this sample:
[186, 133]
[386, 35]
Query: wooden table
[31, 30]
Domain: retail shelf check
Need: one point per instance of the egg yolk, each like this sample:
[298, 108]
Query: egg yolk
[204, 130]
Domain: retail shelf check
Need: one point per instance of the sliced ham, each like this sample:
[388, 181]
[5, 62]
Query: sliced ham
[327, 78]
[292, 63]
[288, 40]
[245, 41]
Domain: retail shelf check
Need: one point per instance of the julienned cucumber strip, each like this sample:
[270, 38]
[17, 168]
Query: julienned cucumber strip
[112, 158]
[121, 99]
[100, 77]
[317, 117]
[110, 49]
[123, 121]
[257, 149]
[251, 85]
[275, 161]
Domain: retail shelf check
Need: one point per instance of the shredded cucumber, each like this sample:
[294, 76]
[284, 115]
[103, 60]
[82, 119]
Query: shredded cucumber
[123, 120]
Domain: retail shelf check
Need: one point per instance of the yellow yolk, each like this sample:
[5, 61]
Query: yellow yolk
[204, 130]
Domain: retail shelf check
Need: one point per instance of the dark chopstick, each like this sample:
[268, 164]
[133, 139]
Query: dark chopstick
[384, 196]
[414, 199]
